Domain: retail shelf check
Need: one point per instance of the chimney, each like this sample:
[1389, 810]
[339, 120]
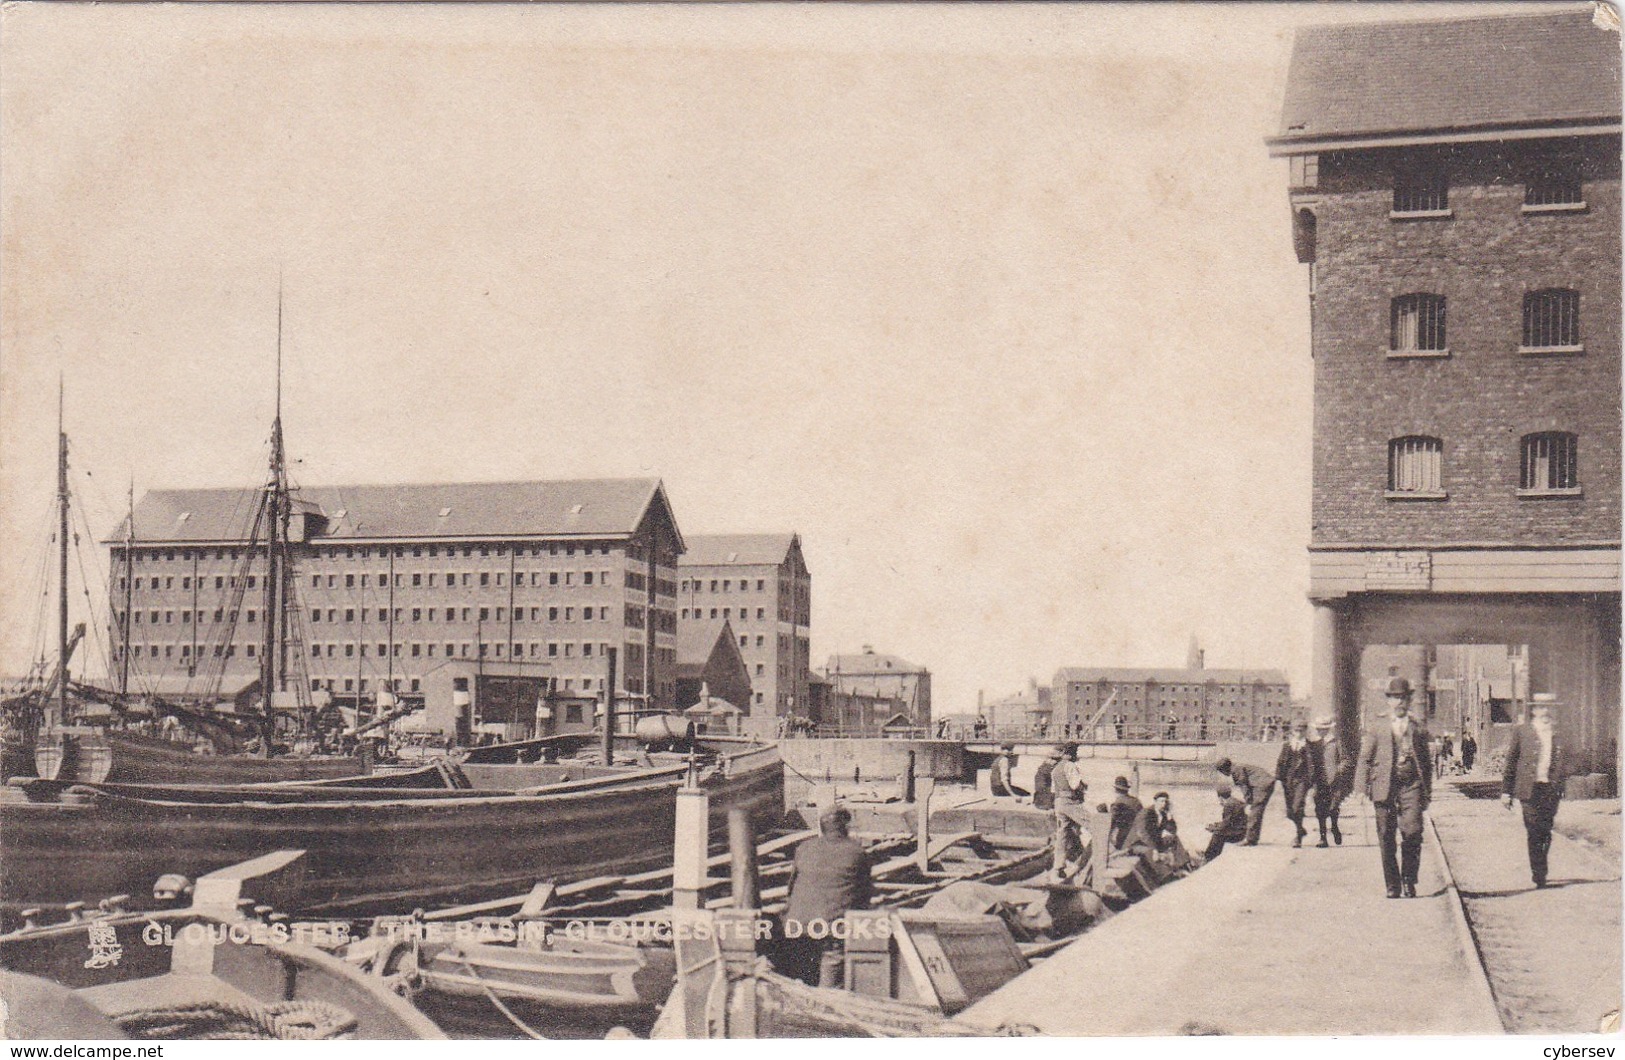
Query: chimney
[1194, 655]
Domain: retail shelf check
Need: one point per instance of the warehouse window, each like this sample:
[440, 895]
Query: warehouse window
[1551, 321]
[1417, 325]
[1555, 190]
[1415, 466]
[1421, 194]
[1549, 463]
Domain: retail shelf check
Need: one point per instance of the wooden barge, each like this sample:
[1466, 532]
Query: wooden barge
[371, 850]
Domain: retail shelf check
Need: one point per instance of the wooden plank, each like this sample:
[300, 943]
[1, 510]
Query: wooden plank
[935, 850]
[539, 898]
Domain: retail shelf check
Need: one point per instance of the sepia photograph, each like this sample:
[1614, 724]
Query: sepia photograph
[694, 521]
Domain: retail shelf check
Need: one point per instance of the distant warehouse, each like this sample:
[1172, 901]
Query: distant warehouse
[393, 588]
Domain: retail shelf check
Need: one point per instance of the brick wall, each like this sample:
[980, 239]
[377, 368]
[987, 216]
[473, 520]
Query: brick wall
[1482, 398]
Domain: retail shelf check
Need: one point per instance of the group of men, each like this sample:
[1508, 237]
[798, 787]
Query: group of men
[1149, 832]
[1394, 770]
[1305, 766]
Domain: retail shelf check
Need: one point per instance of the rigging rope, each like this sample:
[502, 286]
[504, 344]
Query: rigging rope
[227, 1020]
[491, 995]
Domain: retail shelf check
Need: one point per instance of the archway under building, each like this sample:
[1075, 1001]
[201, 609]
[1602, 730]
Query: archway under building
[1566, 645]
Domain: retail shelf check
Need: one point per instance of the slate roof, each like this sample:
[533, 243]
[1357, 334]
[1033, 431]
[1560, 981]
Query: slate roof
[1136, 675]
[1402, 79]
[717, 550]
[869, 663]
[578, 508]
[697, 639]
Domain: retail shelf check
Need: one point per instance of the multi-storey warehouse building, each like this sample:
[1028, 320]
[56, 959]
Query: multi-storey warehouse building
[1454, 187]
[387, 585]
[759, 583]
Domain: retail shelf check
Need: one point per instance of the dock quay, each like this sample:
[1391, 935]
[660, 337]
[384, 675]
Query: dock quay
[1276, 940]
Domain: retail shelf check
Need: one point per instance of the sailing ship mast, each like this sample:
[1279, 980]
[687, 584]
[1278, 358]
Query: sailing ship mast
[129, 595]
[272, 663]
[60, 714]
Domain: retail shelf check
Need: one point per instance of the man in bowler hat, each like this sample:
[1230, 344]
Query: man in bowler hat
[1393, 773]
[1535, 771]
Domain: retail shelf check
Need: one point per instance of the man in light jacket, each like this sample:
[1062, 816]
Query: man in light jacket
[1536, 768]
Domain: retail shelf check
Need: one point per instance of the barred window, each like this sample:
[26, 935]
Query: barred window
[1421, 193]
[1550, 461]
[1557, 187]
[1414, 465]
[1551, 318]
[1417, 323]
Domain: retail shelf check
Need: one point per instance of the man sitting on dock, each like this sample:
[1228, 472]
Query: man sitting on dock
[831, 874]
[1256, 786]
[1166, 854]
[1126, 812]
[1231, 827]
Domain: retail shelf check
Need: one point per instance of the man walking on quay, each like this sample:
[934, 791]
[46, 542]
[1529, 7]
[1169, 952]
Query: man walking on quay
[1332, 769]
[1393, 773]
[1295, 769]
[1534, 775]
[1256, 786]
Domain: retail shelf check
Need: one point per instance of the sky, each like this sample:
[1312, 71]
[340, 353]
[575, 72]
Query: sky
[995, 305]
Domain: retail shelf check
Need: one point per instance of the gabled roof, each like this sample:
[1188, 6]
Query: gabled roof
[697, 640]
[870, 663]
[577, 508]
[1137, 675]
[1444, 79]
[738, 550]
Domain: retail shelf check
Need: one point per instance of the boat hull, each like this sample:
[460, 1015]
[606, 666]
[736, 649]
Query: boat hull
[126, 758]
[379, 854]
[238, 972]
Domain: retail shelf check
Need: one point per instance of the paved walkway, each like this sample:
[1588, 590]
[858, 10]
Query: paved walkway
[1553, 955]
[1266, 940]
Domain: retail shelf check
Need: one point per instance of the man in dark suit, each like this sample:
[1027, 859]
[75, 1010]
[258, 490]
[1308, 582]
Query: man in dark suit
[830, 875]
[1126, 811]
[1332, 769]
[1231, 827]
[1295, 769]
[1393, 772]
[1534, 775]
[1256, 786]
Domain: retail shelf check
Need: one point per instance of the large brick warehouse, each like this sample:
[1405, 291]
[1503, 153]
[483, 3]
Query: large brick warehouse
[1455, 194]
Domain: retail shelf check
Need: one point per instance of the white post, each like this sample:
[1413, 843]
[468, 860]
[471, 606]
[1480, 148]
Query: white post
[923, 788]
[691, 848]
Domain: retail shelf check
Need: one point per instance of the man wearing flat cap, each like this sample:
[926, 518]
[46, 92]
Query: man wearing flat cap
[1536, 768]
[1255, 785]
[1392, 771]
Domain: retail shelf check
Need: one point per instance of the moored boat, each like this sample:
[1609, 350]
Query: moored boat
[94, 755]
[376, 851]
[177, 974]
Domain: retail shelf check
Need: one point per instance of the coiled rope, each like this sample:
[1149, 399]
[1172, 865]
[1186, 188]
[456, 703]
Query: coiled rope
[229, 1021]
